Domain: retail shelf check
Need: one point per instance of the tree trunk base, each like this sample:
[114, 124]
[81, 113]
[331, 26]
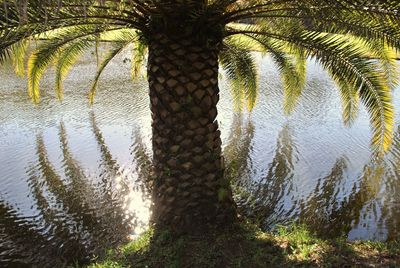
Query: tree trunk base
[190, 193]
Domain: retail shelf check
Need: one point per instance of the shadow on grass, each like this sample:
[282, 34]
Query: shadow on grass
[246, 246]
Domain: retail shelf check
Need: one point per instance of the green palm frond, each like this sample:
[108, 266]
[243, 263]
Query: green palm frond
[241, 71]
[66, 59]
[37, 64]
[378, 21]
[120, 43]
[349, 67]
[139, 53]
[292, 67]
[18, 56]
[294, 80]
[40, 17]
[47, 53]
[349, 64]
[353, 40]
[387, 60]
[350, 102]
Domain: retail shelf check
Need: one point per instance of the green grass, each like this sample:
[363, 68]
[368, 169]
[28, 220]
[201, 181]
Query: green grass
[244, 245]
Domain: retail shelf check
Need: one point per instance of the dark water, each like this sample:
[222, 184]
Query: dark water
[72, 177]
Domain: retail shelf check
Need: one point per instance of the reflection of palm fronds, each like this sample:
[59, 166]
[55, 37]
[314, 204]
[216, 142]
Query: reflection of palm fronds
[73, 170]
[278, 181]
[390, 214]
[87, 198]
[36, 183]
[111, 168]
[319, 209]
[143, 162]
[113, 174]
[17, 235]
[323, 210]
[66, 199]
[76, 219]
[259, 200]
[237, 151]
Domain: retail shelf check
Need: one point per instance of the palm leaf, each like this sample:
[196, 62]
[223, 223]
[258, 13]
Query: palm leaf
[349, 67]
[342, 35]
[241, 70]
[37, 64]
[350, 102]
[49, 51]
[123, 40]
[292, 67]
[138, 58]
[18, 56]
[66, 59]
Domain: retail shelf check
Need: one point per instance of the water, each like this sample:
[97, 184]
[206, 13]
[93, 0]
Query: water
[72, 177]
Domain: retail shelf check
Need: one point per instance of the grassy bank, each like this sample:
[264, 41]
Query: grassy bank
[246, 246]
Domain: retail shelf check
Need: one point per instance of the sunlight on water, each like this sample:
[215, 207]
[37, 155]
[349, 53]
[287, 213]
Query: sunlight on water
[136, 203]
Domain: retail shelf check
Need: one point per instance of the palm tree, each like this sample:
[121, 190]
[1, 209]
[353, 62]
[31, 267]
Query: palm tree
[187, 41]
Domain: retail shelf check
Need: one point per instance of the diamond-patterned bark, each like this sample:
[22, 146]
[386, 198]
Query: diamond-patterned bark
[189, 191]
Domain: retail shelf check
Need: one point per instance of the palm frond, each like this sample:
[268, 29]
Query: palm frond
[18, 56]
[387, 60]
[139, 53]
[350, 102]
[66, 59]
[292, 67]
[379, 21]
[47, 53]
[294, 80]
[343, 35]
[121, 42]
[37, 65]
[349, 65]
[38, 17]
[241, 70]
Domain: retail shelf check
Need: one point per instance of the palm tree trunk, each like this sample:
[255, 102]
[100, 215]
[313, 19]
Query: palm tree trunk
[190, 192]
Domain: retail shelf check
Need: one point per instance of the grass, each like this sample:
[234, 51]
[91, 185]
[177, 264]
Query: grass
[244, 245]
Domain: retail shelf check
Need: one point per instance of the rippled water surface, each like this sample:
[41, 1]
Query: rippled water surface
[73, 177]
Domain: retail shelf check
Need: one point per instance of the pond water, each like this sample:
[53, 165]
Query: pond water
[72, 176]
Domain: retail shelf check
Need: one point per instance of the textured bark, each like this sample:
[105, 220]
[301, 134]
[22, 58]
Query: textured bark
[190, 192]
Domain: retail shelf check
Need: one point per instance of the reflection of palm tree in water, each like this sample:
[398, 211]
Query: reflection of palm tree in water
[16, 236]
[325, 209]
[258, 200]
[237, 151]
[68, 199]
[63, 198]
[79, 184]
[330, 209]
[76, 218]
[142, 163]
[390, 214]
[116, 183]
[277, 183]
[111, 175]
[322, 210]
[104, 210]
